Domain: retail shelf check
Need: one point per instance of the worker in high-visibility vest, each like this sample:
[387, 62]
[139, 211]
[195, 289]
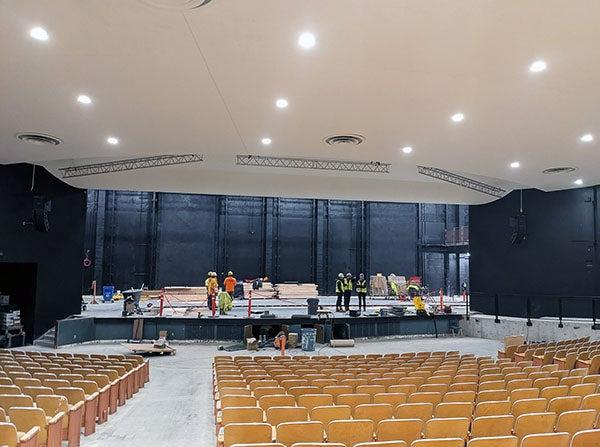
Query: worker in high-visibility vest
[347, 291]
[229, 283]
[414, 292]
[339, 291]
[207, 285]
[213, 287]
[361, 290]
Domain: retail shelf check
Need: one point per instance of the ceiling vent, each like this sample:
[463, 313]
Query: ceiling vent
[39, 139]
[178, 5]
[559, 170]
[349, 139]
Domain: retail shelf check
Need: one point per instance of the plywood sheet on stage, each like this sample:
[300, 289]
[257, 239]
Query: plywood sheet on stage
[148, 348]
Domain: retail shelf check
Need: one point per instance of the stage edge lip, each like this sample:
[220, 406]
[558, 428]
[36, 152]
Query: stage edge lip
[86, 329]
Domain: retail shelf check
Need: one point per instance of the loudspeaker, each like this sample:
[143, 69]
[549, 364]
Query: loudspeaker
[518, 224]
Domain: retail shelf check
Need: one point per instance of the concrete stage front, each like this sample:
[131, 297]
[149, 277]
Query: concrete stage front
[85, 329]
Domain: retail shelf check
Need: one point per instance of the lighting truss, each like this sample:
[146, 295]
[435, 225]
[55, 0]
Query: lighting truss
[129, 164]
[313, 163]
[459, 180]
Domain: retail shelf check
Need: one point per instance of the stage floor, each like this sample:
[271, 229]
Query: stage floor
[280, 308]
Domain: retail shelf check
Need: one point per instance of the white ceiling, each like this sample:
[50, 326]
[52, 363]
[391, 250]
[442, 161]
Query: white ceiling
[166, 79]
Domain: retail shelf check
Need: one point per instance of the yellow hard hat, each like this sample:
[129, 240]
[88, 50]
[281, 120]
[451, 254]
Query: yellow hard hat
[229, 273]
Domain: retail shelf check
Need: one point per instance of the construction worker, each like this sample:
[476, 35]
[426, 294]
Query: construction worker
[361, 290]
[347, 291]
[229, 283]
[225, 303]
[208, 295]
[339, 291]
[414, 292]
[213, 287]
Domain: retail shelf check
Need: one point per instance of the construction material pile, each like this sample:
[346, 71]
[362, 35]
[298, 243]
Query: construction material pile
[265, 292]
[177, 293]
[296, 290]
[379, 286]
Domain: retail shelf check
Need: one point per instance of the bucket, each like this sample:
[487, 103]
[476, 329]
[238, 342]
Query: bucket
[313, 306]
[309, 336]
[108, 292]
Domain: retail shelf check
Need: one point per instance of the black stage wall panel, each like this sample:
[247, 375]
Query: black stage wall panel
[58, 253]
[174, 239]
[559, 256]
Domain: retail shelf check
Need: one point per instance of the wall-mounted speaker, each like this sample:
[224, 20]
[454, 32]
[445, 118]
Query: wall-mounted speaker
[40, 219]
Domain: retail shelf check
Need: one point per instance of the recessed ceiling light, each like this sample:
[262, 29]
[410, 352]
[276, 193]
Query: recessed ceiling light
[84, 99]
[457, 117]
[307, 40]
[266, 141]
[281, 103]
[515, 164]
[112, 140]
[538, 66]
[39, 33]
[578, 181]
[587, 138]
[407, 149]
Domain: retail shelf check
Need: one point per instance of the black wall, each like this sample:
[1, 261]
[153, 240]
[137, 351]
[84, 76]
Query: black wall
[174, 239]
[559, 257]
[57, 254]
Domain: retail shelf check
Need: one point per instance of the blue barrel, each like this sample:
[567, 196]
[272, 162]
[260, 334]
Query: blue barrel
[108, 292]
[309, 337]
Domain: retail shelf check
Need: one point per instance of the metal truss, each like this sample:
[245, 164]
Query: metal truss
[129, 165]
[459, 180]
[313, 163]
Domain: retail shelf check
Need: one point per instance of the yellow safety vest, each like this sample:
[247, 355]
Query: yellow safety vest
[348, 285]
[361, 286]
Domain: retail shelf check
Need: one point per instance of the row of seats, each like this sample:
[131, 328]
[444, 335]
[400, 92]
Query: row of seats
[580, 353]
[282, 390]
[47, 398]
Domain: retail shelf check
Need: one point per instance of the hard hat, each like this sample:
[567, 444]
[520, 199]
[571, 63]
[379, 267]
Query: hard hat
[348, 274]
[214, 274]
[340, 275]
[229, 273]
[209, 274]
[362, 275]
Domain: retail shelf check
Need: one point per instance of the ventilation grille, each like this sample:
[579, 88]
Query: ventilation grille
[178, 5]
[559, 170]
[38, 139]
[350, 140]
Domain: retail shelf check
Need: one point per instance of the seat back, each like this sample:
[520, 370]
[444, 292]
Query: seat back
[26, 418]
[374, 412]
[574, 421]
[454, 410]
[15, 400]
[487, 426]
[496, 441]
[246, 433]
[311, 401]
[8, 435]
[10, 389]
[587, 438]
[529, 406]
[407, 430]
[278, 400]
[447, 428]
[534, 423]
[546, 440]
[241, 415]
[34, 391]
[422, 411]
[288, 433]
[278, 415]
[394, 399]
[559, 405]
[350, 432]
[447, 442]
[329, 413]
[492, 408]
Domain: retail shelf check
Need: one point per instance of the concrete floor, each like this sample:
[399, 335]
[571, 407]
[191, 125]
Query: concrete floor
[175, 408]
